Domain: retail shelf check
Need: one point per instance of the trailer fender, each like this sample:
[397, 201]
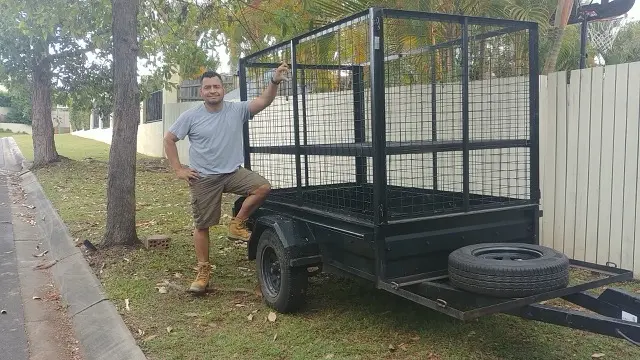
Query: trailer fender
[295, 237]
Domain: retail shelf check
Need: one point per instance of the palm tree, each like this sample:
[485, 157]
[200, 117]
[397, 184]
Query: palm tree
[563, 11]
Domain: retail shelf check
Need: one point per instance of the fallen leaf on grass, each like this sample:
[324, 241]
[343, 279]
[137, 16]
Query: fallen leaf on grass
[329, 356]
[162, 289]
[149, 338]
[169, 329]
[597, 355]
[191, 314]
[272, 316]
[275, 337]
[250, 317]
[140, 332]
[392, 347]
[37, 298]
[126, 304]
[240, 305]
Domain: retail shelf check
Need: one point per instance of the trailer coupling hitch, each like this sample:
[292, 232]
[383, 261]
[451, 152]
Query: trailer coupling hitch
[615, 312]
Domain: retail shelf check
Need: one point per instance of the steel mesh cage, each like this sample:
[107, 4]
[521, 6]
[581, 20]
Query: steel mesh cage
[396, 115]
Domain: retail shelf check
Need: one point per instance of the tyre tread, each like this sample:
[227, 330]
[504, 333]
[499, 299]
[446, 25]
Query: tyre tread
[511, 279]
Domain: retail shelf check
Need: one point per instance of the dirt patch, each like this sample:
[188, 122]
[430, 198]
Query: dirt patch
[153, 165]
[63, 335]
[103, 258]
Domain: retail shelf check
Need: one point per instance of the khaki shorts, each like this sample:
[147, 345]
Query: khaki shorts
[206, 194]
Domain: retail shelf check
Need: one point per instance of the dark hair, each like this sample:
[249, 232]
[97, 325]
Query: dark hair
[210, 74]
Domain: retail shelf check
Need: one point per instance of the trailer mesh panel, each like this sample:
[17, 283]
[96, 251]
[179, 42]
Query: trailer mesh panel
[327, 164]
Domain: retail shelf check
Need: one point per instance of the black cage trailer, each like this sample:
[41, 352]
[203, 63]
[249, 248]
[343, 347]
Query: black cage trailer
[404, 151]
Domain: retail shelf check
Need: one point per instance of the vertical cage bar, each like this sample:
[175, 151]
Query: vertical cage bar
[434, 119]
[534, 89]
[242, 78]
[378, 118]
[465, 113]
[358, 122]
[583, 42]
[304, 124]
[379, 139]
[296, 120]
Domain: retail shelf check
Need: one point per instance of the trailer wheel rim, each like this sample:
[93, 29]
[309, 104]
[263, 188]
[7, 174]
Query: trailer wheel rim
[507, 253]
[271, 271]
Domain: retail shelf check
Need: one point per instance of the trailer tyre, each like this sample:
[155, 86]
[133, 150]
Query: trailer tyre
[283, 287]
[508, 270]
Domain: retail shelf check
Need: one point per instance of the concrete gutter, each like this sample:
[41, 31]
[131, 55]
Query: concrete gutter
[98, 327]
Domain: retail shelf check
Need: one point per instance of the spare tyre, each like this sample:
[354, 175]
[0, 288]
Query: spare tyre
[508, 269]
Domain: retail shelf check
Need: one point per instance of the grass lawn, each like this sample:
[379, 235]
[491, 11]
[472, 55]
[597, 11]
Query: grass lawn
[343, 319]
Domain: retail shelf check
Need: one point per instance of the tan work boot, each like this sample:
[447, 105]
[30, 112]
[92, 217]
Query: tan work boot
[238, 230]
[199, 286]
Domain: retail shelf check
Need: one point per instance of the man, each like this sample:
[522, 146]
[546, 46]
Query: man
[216, 155]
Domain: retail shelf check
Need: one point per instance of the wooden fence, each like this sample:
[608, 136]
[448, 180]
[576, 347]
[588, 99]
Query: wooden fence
[589, 164]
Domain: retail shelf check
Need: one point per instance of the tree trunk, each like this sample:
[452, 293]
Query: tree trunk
[563, 11]
[121, 201]
[556, 45]
[44, 146]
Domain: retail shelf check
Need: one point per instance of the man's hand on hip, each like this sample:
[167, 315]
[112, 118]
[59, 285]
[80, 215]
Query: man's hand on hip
[187, 174]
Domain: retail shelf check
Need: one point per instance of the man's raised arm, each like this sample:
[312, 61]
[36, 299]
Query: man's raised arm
[261, 102]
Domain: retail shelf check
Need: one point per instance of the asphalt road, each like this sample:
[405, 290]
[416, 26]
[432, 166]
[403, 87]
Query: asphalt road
[13, 339]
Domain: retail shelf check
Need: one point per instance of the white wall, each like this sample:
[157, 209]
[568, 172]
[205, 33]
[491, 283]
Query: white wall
[16, 127]
[149, 138]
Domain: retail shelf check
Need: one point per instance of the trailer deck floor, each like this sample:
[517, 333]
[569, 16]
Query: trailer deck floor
[404, 202]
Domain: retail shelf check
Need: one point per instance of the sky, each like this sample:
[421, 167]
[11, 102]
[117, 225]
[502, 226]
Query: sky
[634, 13]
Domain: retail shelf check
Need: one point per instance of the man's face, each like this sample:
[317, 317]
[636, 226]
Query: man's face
[212, 91]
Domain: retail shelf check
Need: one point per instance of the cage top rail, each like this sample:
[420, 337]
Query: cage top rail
[398, 55]
[391, 13]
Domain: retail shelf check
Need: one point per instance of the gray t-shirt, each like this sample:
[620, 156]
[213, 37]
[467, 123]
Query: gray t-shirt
[215, 137]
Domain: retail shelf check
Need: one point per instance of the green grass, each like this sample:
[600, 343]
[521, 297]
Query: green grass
[343, 319]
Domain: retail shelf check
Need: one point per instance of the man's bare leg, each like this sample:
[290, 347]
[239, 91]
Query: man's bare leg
[253, 201]
[201, 241]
